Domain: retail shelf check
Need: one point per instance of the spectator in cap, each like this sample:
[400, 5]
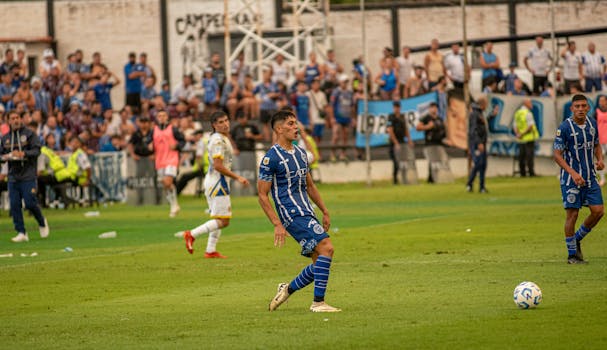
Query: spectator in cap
[48, 62]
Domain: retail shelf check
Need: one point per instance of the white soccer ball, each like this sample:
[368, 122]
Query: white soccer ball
[527, 295]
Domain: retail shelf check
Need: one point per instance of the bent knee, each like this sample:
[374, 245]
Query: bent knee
[223, 222]
[325, 248]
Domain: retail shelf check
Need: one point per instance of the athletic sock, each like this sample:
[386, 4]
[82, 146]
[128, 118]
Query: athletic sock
[321, 277]
[212, 241]
[305, 277]
[581, 233]
[171, 197]
[571, 245]
[209, 226]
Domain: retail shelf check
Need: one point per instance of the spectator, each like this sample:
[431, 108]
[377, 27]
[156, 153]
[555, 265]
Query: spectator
[526, 134]
[239, 66]
[405, 69]
[104, 88]
[454, 67]
[318, 110]
[94, 130]
[491, 86]
[126, 126]
[267, 92]
[387, 80]
[48, 62]
[51, 127]
[244, 134]
[434, 130]
[7, 90]
[572, 67]
[115, 145]
[41, 96]
[510, 78]
[538, 62]
[594, 68]
[73, 117]
[140, 144]
[249, 103]
[219, 73]
[301, 104]
[313, 69]
[53, 83]
[24, 96]
[387, 52]
[518, 88]
[490, 64]
[97, 69]
[211, 91]
[549, 90]
[63, 101]
[397, 132]
[149, 71]
[133, 73]
[477, 143]
[22, 64]
[165, 92]
[332, 68]
[601, 122]
[417, 85]
[149, 91]
[433, 63]
[280, 70]
[82, 69]
[342, 101]
[9, 62]
[360, 70]
[185, 93]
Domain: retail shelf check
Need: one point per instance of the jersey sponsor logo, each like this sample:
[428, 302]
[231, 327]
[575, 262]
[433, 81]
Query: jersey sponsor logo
[300, 173]
[284, 162]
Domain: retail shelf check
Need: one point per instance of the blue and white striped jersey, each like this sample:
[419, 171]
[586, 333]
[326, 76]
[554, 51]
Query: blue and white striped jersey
[577, 143]
[287, 171]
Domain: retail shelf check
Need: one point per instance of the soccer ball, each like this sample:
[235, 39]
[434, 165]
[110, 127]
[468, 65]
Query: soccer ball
[527, 295]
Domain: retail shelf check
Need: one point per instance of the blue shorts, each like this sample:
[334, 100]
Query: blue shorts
[575, 197]
[307, 232]
[318, 130]
[343, 121]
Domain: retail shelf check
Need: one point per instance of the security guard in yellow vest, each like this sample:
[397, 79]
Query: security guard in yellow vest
[78, 165]
[526, 134]
[51, 172]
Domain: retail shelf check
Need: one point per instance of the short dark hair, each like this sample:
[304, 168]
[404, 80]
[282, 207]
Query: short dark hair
[216, 115]
[578, 97]
[281, 116]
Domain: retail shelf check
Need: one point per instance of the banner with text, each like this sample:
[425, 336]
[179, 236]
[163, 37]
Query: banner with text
[412, 108]
[547, 115]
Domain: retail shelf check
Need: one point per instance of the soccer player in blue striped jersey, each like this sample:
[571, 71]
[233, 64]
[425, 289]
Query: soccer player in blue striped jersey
[575, 148]
[284, 172]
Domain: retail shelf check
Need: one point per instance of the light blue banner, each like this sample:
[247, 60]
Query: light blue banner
[412, 108]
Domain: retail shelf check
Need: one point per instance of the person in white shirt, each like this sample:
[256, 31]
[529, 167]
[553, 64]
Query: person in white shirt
[280, 70]
[594, 68]
[318, 109]
[538, 62]
[48, 63]
[454, 67]
[405, 69]
[572, 66]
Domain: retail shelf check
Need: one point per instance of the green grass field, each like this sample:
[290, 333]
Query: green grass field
[418, 267]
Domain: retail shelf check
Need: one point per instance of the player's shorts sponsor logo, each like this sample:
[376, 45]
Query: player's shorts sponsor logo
[571, 198]
[574, 191]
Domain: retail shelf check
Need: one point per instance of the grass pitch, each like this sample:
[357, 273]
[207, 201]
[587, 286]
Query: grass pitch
[416, 267]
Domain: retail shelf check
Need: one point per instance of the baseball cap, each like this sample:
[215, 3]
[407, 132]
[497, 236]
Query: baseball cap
[343, 77]
[47, 53]
[208, 70]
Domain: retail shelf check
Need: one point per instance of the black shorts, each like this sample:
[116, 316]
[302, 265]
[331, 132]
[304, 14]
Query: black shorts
[134, 100]
[266, 115]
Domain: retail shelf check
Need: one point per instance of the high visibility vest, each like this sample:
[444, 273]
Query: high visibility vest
[74, 169]
[520, 120]
[56, 164]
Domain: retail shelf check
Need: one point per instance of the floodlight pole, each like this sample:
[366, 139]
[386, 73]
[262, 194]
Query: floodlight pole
[465, 44]
[365, 118]
[226, 39]
[554, 57]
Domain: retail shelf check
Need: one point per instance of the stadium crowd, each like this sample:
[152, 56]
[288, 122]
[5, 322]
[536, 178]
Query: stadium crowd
[72, 99]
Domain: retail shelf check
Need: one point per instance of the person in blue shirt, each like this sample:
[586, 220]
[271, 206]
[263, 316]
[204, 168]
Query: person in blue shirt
[342, 101]
[490, 64]
[211, 90]
[268, 93]
[149, 91]
[301, 104]
[284, 171]
[7, 90]
[576, 146]
[104, 88]
[165, 92]
[133, 73]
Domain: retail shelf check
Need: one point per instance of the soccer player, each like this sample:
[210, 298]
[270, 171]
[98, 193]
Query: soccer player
[575, 147]
[284, 171]
[217, 188]
[167, 141]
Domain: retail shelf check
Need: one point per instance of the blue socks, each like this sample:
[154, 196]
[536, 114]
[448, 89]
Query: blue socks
[581, 233]
[321, 277]
[571, 245]
[305, 277]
